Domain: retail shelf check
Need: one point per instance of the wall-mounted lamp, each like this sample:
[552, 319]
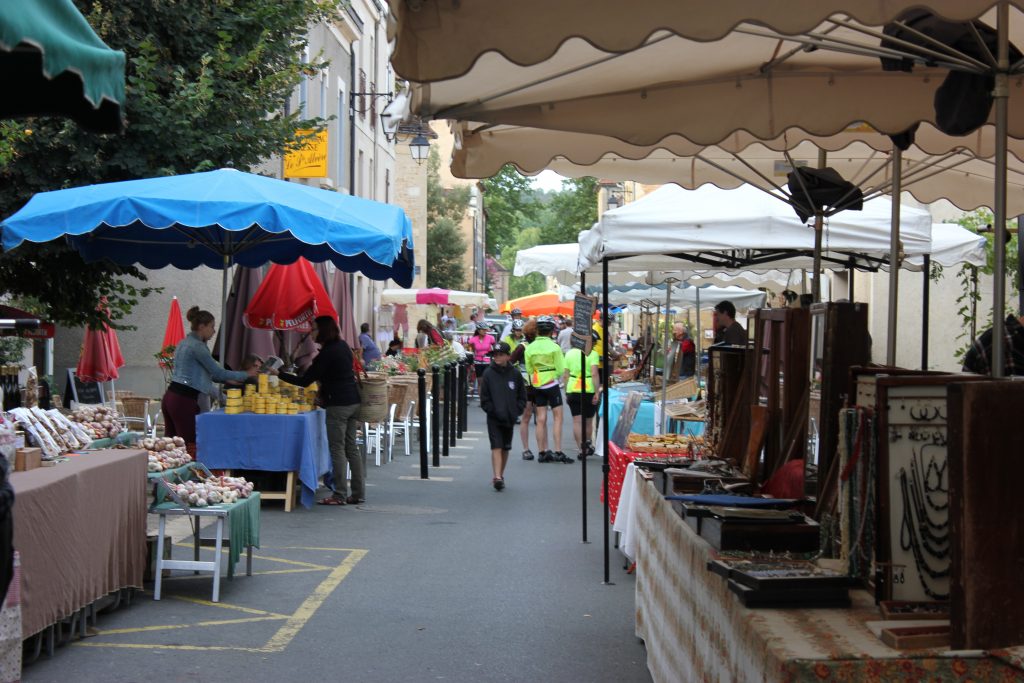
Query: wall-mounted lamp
[419, 148]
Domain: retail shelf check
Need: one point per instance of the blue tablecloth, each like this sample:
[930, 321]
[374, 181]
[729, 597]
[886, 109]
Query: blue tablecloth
[646, 416]
[271, 443]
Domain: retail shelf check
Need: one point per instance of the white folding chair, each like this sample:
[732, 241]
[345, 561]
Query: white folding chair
[377, 438]
[154, 418]
[414, 421]
[404, 426]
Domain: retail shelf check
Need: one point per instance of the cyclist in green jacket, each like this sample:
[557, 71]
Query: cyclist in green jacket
[545, 366]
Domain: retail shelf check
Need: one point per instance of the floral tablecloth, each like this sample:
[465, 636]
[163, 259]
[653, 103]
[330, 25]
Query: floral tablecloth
[695, 629]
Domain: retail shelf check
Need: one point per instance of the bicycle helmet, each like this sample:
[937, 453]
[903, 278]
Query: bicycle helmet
[545, 325]
[483, 326]
[517, 325]
[516, 311]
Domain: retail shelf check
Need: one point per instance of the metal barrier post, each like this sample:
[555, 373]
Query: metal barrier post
[435, 412]
[421, 406]
[464, 397]
[453, 394]
[446, 423]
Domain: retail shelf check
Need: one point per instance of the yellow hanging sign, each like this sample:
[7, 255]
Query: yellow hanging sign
[307, 159]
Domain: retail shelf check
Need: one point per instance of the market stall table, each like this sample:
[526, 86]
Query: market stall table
[296, 444]
[80, 527]
[648, 415]
[695, 629]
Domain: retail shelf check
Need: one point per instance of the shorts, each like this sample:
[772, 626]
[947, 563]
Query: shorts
[500, 435]
[480, 369]
[547, 398]
[530, 393]
[580, 403]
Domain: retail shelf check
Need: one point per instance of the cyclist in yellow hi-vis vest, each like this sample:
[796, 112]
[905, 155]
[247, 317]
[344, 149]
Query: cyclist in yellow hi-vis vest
[545, 366]
[582, 388]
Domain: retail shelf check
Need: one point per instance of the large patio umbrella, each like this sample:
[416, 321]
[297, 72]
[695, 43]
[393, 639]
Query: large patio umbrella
[237, 340]
[175, 330]
[53, 63]
[219, 219]
[433, 295]
[545, 303]
[101, 356]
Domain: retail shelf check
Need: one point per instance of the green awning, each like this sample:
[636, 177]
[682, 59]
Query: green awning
[53, 63]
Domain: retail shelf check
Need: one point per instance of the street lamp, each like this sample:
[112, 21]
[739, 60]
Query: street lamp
[419, 148]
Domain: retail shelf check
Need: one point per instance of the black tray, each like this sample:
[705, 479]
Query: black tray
[800, 598]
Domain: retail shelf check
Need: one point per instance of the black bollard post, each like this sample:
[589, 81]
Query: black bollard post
[460, 404]
[446, 377]
[421, 406]
[464, 398]
[452, 413]
[435, 416]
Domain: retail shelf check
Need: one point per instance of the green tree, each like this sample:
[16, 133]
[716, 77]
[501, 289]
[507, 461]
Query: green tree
[509, 199]
[980, 221]
[523, 285]
[445, 252]
[201, 79]
[570, 211]
[446, 248]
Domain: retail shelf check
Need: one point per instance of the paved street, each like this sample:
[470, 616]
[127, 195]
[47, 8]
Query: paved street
[444, 579]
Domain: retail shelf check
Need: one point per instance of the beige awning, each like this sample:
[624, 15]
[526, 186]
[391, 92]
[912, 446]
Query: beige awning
[441, 39]
[751, 81]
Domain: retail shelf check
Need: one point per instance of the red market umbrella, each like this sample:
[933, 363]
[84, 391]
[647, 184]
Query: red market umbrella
[101, 356]
[289, 298]
[175, 330]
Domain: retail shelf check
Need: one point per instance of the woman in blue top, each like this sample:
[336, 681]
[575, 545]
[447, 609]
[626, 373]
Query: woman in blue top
[195, 371]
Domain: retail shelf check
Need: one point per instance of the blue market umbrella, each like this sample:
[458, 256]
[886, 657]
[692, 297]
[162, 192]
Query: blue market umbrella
[219, 219]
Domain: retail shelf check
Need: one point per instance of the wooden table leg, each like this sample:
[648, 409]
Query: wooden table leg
[289, 492]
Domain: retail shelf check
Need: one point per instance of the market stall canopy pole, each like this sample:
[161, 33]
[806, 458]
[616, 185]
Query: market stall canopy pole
[53, 64]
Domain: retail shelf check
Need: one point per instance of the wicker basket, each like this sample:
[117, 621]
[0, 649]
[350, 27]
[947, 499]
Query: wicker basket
[374, 393]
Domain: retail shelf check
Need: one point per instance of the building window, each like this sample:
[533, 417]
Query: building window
[360, 178]
[373, 107]
[387, 185]
[362, 97]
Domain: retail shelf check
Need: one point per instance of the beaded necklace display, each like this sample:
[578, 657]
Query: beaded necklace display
[909, 540]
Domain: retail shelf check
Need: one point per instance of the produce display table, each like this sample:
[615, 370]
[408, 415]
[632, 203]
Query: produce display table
[243, 519]
[695, 629]
[80, 527]
[296, 444]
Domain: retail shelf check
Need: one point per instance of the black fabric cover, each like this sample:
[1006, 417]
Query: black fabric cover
[964, 100]
[817, 188]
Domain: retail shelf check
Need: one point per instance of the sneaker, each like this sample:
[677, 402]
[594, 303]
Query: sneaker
[546, 456]
[527, 454]
[562, 457]
[498, 484]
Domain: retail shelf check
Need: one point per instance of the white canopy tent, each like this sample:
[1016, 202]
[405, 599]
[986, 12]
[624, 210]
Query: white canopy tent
[684, 296]
[740, 228]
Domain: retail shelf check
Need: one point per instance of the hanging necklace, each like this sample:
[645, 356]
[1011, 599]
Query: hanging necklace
[908, 541]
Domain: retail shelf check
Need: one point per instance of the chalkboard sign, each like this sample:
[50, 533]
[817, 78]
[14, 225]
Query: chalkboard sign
[583, 314]
[582, 320]
[83, 392]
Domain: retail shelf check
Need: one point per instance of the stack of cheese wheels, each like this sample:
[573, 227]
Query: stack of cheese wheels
[233, 404]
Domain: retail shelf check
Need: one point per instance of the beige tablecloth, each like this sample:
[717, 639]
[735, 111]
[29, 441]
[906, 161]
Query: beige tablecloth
[81, 530]
[695, 629]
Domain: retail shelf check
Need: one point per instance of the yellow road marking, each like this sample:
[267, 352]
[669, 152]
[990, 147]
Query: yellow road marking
[169, 627]
[260, 573]
[271, 559]
[279, 641]
[284, 635]
[224, 605]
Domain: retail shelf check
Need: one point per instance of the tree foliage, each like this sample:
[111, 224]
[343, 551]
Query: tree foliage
[446, 248]
[969, 300]
[511, 207]
[570, 211]
[201, 78]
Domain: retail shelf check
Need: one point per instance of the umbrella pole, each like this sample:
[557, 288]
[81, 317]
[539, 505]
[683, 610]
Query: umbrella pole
[604, 421]
[925, 314]
[224, 307]
[894, 255]
[819, 227]
[584, 427]
[665, 369]
[698, 342]
[1001, 95]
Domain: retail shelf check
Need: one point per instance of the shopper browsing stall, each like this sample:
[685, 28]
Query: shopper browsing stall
[727, 330]
[503, 398]
[195, 371]
[545, 366]
[367, 345]
[339, 396]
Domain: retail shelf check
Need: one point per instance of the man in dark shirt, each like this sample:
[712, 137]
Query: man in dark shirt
[727, 330]
[979, 356]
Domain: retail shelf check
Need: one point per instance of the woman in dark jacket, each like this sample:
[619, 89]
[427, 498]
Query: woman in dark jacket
[339, 396]
[502, 397]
